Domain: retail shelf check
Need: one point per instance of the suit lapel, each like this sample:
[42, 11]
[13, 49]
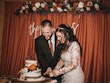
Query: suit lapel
[55, 47]
[45, 48]
[55, 41]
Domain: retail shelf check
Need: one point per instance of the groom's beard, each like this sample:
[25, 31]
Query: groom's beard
[50, 37]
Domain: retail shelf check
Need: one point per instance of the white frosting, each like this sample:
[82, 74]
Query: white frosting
[30, 62]
[32, 74]
[38, 79]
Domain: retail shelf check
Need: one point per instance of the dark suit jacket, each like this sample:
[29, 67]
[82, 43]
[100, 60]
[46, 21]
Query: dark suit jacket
[44, 55]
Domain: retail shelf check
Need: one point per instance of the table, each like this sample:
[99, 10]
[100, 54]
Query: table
[19, 81]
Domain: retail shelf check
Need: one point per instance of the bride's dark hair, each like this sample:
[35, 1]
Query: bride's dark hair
[68, 34]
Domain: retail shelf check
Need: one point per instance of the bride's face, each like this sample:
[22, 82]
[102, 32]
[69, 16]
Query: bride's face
[60, 37]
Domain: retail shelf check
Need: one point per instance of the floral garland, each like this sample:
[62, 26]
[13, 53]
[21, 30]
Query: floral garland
[66, 6]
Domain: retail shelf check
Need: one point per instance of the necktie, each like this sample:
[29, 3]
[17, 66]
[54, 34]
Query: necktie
[51, 46]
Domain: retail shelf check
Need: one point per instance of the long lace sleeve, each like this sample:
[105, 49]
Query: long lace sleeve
[73, 57]
[59, 64]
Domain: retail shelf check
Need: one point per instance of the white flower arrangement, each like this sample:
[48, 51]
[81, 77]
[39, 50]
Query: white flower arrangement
[59, 9]
[66, 6]
[54, 4]
[82, 10]
[81, 5]
[37, 5]
[21, 11]
[96, 6]
[26, 6]
[42, 5]
[65, 10]
[90, 3]
[51, 9]
[23, 8]
[34, 8]
[88, 8]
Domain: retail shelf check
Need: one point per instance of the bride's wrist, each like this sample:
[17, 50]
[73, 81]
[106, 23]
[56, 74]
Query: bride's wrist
[57, 67]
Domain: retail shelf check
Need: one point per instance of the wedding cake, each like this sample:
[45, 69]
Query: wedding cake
[31, 72]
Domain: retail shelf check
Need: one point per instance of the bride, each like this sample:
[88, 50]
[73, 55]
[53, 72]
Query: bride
[69, 64]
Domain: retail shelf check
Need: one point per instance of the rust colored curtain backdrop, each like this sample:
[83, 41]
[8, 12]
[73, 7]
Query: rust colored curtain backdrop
[92, 33]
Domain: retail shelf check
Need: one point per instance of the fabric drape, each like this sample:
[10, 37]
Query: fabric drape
[92, 33]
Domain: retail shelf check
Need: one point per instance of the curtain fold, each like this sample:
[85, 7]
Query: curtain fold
[92, 33]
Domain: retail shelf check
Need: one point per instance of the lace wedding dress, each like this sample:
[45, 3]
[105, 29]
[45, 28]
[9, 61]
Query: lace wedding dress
[70, 59]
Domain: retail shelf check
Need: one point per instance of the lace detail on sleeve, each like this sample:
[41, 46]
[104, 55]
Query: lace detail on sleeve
[75, 53]
[59, 64]
[74, 50]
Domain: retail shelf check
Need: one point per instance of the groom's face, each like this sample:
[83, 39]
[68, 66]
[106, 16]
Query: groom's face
[47, 32]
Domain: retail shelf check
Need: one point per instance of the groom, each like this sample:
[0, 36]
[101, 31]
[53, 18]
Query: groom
[45, 46]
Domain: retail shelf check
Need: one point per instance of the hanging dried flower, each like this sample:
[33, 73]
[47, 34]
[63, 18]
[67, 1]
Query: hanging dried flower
[70, 9]
[75, 4]
[85, 3]
[26, 11]
[46, 8]
[60, 5]
[55, 7]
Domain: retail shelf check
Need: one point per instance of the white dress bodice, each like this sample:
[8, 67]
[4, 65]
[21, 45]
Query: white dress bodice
[71, 58]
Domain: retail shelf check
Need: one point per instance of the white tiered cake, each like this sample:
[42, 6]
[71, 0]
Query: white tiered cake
[31, 72]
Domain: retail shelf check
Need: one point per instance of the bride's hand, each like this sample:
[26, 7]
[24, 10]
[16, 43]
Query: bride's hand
[48, 71]
[52, 73]
[55, 72]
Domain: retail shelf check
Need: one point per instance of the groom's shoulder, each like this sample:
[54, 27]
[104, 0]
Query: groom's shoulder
[39, 38]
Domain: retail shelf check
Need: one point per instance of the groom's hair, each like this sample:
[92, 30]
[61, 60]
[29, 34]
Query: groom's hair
[46, 23]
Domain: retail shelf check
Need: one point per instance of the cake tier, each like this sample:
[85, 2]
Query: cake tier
[36, 79]
[30, 62]
[32, 74]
